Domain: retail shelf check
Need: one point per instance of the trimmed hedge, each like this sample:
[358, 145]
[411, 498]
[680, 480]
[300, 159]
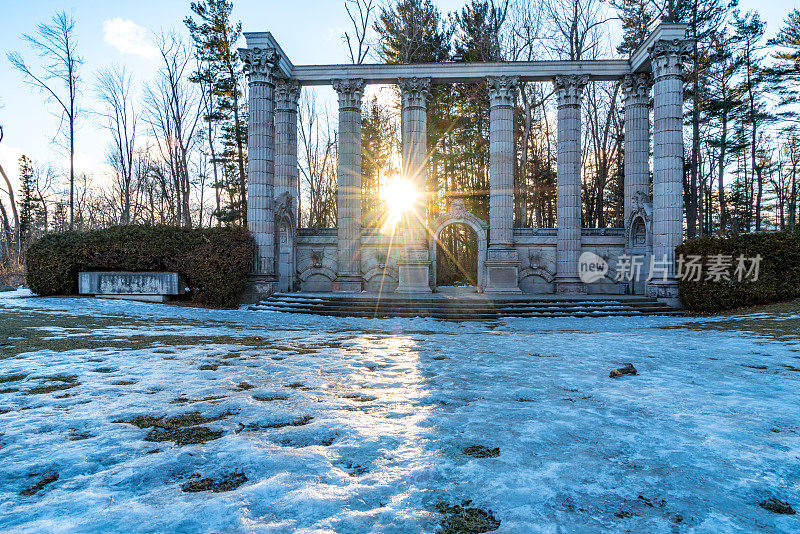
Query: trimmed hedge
[778, 279]
[212, 261]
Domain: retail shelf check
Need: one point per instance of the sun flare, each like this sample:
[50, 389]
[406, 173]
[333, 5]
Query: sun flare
[399, 196]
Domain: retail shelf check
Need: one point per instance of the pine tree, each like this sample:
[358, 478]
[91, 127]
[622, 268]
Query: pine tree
[636, 17]
[28, 201]
[749, 33]
[215, 38]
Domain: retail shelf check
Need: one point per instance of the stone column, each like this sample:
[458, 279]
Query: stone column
[287, 93]
[568, 189]
[502, 261]
[259, 64]
[414, 263]
[636, 91]
[348, 199]
[667, 60]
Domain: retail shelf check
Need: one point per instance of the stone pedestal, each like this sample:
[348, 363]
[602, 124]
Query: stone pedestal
[260, 64]
[348, 200]
[568, 189]
[667, 59]
[414, 264]
[502, 262]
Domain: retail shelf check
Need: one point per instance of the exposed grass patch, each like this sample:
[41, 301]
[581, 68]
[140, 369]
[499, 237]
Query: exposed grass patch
[461, 519]
[298, 385]
[44, 481]
[184, 436]
[104, 370]
[228, 482]
[268, 398]
[63, 382]
[8, 390]
[244, 386]
[777, 506]
[123, 382]
[359, 398]
[479, 451]
[12, 378]
[354, 470]
[178, 421]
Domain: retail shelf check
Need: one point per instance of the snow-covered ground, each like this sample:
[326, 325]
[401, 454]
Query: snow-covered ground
[709, 427]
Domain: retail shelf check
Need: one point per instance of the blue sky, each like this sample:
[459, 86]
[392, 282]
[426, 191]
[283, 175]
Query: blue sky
[116, 32]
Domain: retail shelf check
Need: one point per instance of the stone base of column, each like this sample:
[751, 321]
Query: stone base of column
[413, 269]
[348, 283]
[502, 270]
[569, 285]
[259, 287]
[665, 291]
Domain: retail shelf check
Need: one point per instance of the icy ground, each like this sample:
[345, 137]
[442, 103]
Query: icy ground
[709, 427]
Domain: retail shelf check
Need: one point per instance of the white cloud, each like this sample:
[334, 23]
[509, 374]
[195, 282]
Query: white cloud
[128, 37]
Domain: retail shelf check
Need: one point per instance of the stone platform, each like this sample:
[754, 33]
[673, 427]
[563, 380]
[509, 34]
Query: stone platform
[462, 305]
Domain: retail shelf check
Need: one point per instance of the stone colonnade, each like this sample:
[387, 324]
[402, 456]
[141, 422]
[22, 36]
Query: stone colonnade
[273, 163]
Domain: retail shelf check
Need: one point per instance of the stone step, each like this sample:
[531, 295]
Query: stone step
[462, 308]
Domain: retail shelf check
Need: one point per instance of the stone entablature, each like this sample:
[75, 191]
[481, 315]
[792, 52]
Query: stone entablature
[349, 259]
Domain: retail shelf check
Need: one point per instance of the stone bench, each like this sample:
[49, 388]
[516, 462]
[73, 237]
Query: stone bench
[142, 286]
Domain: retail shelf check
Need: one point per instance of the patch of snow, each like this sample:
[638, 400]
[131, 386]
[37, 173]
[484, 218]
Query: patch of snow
[708, 427]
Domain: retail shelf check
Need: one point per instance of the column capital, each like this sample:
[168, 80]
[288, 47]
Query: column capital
[415, 91]
[502, 89]
[350, 91]
[287, 93]
[636, 88]
[259, 64]
[667, 57]
[569, 88]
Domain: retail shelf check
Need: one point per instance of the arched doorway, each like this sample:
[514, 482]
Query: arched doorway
[458, 244]
[457, 256]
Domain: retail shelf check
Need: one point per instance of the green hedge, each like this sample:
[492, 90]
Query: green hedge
[213, 261]
[779, 271]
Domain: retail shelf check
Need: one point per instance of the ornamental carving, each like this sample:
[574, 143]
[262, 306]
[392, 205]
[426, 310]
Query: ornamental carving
[668, 56]
[287, 93]
[458, 209]
[259, 63]
[415, 91]
[350, 91]
[502, 89]
[569, 88]
[636, 88]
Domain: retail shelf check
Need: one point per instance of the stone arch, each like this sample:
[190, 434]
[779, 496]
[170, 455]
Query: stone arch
[458, 214]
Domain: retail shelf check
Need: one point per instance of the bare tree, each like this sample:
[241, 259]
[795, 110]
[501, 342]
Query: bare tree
[56, 46]
[576, 27]
[114, 91]
[357, 47]
[173, 113]
[317, 164]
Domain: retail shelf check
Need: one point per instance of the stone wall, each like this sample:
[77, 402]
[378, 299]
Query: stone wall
[317, 259]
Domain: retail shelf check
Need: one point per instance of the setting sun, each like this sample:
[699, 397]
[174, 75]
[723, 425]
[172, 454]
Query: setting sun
[399, 196]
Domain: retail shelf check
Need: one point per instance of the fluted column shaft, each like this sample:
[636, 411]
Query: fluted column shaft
[259, 64]
[287, 93]
[636, 90]
[501, 159]
[667, 60]
[348, 201]
[502, 260]
[415, 92]
[414, 264]
[568, 189]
